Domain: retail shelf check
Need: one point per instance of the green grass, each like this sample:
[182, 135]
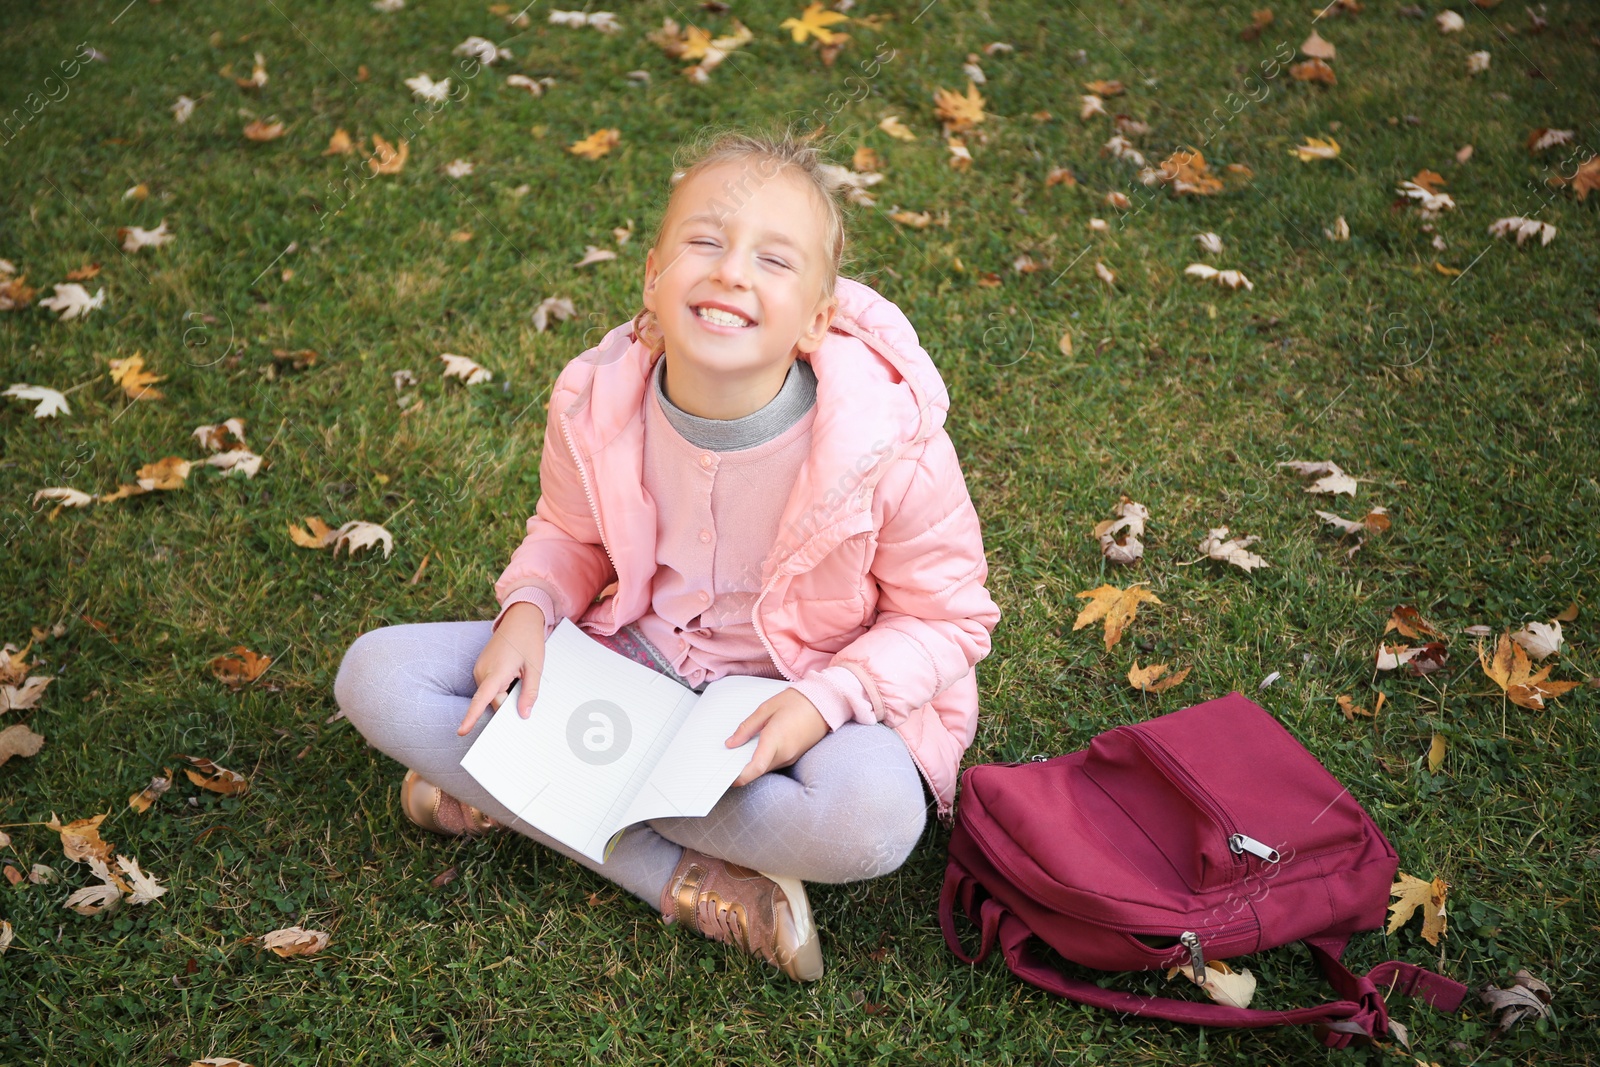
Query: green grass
[1468, 402]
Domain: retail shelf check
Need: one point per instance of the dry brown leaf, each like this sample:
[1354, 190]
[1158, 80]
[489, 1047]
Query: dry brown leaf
[241, 668]
[317, 533]
[1315, 47]
[83, 273]
[1105, 88]
[1219, 546]
[295, 941]
[264, 131]
[1144, 679]
[1186, 172]
[1259, 20]
[1526, 998]
[866, 160]
[1116, 606]
[24, 696]
[215, 779]
[1511, 670]
[340, 144]
[892, 126]
[18, 740]
[15, 293]
[1570, 614]
[169, 472]
[1119, 537]
[1375, 521]
[917, 220]
[134, 379]
[387, 158]
[1351, 709]
[144, 798]
[1413, 893]
[1223, 984]
[80, 839]
[959, 113]
[1539, 640]
[1314, 70]
[1410, 623]
[596, 144]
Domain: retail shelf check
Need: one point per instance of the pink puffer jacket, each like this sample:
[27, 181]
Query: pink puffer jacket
[878, 566]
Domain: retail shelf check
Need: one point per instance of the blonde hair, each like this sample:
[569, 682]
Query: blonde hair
[767, 155]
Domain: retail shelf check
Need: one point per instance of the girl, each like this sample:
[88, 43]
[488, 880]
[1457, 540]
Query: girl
[749, 478]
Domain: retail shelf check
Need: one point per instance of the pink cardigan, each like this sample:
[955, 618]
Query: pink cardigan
[878, 569]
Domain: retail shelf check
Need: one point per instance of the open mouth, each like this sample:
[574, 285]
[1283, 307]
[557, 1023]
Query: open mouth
[720, 317]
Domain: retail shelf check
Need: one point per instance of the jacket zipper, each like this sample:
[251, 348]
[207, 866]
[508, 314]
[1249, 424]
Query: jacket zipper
[588, 493]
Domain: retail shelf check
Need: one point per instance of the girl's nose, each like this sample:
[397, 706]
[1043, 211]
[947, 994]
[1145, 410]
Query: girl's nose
[732, 270]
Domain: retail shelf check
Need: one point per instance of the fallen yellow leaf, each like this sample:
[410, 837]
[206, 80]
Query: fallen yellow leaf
[1116, 606]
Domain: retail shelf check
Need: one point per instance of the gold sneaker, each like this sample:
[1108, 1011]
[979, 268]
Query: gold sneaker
[765, 915]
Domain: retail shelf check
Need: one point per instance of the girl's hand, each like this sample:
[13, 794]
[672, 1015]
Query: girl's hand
[515, 651]
[788, 724]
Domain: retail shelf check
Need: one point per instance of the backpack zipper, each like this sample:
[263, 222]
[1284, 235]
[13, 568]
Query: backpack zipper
[1197, 958]
[1186, 783]
[1240, 843]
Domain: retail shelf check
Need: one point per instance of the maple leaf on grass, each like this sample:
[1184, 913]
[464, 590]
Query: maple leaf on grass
[1314, 70]
[227, 434]
[144, 887]
[1101, 87]
[1119, 537]
[1525, 998]
[1186, 172]
[1410, 623]
[80, 839]
[142, 801]
[1352, 710]
[892, 126]
[93, 899]
[1145, 679]
[295, 941]
[1539, 639]
[24, 696]
[260, 131]
[1511, 670]
[1413, 893]
[239, 668]
[1424, 659]
[1227, 279]
[136, 382]
[213, 778]
[386, 158]
[340, 144]
[1219, 546]
[1116, 607]
[467, 370]
[814, 21]
[552, 308]
[1316, 148]
[133, 238]
[72, 301]
[596, 144]
[18, 740]
[1375, 521]
[1523, 228]
[1330, 479]
[959, 113]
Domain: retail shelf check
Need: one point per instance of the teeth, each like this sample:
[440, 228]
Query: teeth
[720, 317]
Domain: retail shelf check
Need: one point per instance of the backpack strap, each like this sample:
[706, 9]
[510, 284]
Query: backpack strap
[1359, 1018]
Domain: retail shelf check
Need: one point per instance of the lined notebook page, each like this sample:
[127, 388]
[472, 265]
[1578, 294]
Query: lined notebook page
[696, 767]
[582, 754]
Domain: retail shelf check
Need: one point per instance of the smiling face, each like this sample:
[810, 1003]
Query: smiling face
[736, 283]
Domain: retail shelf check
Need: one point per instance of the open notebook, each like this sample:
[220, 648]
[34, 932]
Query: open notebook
[611, 743]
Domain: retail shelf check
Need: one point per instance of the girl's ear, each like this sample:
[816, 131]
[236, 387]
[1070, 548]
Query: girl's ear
[821, 319]
[650, 276]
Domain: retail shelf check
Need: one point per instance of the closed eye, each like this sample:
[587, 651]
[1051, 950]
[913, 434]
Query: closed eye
[775, 261]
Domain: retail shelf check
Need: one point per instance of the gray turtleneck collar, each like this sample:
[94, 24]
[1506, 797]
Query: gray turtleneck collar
[798, 395]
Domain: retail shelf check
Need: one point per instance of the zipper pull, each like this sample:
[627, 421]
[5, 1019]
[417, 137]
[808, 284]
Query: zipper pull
[1197, 958]
[1239, 843]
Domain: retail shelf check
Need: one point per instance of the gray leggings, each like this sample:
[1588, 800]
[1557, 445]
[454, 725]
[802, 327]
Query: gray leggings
[851, 808]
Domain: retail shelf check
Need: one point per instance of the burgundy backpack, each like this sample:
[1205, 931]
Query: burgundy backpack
[1203, 834]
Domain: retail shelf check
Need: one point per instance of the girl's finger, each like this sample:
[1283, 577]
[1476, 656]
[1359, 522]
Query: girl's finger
[528, 693]
[749, 728]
